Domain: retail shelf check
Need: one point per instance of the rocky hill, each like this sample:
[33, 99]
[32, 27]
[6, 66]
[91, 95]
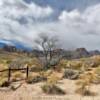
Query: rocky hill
[79, 53]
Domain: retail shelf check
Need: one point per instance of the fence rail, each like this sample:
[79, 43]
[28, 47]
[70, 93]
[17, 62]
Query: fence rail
[9, 70]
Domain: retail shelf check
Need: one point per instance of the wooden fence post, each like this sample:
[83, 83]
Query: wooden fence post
[9, 74]
[27, 72]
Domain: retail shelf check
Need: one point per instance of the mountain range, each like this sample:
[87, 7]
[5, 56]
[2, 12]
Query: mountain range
[17, 45]
[68, 54]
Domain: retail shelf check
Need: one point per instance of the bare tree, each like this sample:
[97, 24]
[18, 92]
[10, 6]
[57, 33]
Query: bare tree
[49, 46]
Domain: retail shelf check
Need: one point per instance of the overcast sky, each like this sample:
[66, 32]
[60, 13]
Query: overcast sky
[76, 22]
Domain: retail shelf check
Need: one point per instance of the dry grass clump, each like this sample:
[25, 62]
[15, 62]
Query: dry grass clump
[95, 61]
[71, 74]
[50, 87]
[62, 64]
[52, 79]
[3, 66]
[71, 64]
[22, 61]
[3, 74]
[84, 88]
[4, 82]
[34, 68]
[75, 64]
[17, 76]
[97, 70]
[90, 76]
[84, 84]
[46, 73]
[32, 62]
[42, 76]
[35, 79]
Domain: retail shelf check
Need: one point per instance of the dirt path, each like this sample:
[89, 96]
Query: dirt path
[34, 92]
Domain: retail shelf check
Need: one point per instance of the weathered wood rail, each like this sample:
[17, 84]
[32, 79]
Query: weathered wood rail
[9, 70]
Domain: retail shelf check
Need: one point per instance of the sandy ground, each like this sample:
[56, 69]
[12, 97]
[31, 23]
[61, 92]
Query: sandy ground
[34, 92]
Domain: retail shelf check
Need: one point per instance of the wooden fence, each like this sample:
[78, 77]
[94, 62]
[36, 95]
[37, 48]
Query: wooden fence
[9, 70]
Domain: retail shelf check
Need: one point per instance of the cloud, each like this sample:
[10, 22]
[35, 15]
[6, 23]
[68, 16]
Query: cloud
[86, 23]
[12, 12]
[82, 27]
[18, 8]
[21, 21]
[76, 28]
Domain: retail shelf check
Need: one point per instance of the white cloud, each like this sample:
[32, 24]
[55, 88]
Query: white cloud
[83, 28]
[69, 15]
[13, 10]
[75, 28]
[18, 8]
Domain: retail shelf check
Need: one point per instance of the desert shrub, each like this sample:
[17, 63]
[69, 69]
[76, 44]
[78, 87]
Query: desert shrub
[36, 69]
[15, 86]
[84, 84]
[4, 74]
[21, 62]
[45, 73]
[62, 64]
[95, 61]
[4, 82]
[71, 74]
[8, 61]
[52, 89]
[97, 70]
[84, 88]
[75, 64]
[50, 86]
[90, 76]
[89, 64]
[17, 76]
[35, 79]
[52, 79]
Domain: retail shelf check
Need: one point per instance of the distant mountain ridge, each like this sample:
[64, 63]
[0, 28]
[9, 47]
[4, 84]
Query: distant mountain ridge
[17, 46]
[68, 54]
[80, 53]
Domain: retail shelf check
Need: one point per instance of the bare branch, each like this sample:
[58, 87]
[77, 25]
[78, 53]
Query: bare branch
[48, 45]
